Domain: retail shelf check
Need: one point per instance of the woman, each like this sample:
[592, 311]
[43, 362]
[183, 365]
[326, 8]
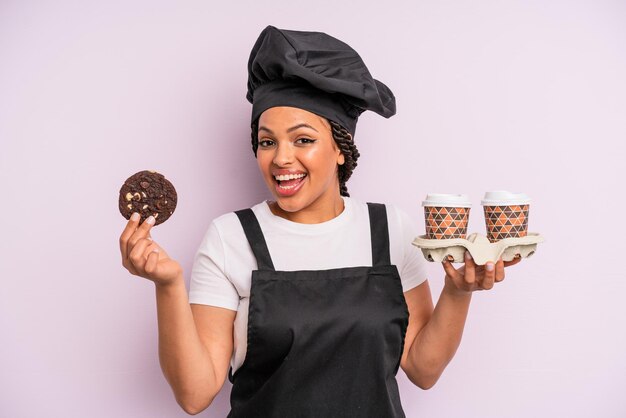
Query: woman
[314, 300]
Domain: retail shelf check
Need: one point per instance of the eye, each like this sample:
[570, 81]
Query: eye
[306, 140]
[265, 143]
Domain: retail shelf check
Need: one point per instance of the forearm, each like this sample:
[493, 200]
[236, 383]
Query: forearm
[437, 342]
[184, 360]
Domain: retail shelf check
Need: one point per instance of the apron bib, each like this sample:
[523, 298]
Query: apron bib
[322, 343]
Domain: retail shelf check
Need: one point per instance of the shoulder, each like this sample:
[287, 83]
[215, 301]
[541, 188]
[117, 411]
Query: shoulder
[401, 223]
[399, 215]
[228, 225]
[395, 214]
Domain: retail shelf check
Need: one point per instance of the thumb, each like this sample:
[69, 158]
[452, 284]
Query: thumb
[152, 262]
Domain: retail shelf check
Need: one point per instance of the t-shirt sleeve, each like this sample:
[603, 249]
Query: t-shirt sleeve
[209, 284]
[413, 270]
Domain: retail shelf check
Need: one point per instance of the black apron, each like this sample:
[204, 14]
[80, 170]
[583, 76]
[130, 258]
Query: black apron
[322, 343]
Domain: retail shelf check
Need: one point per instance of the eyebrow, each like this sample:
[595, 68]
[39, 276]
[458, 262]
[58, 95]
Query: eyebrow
[293, 128]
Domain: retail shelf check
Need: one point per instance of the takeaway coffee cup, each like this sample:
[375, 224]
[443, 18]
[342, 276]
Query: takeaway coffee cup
[446, 215]
[506, 214]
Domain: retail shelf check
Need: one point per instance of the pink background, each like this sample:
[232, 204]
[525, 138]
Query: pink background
[528, 96]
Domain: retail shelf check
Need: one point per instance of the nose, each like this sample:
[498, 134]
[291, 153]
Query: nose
[284, 154]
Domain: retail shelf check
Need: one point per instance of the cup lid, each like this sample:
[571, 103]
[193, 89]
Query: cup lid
[447, 200]
[504, 198]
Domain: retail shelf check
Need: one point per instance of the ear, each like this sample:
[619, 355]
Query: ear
[342, 159]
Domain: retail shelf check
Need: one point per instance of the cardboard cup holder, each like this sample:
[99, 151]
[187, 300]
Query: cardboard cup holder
[479, 247]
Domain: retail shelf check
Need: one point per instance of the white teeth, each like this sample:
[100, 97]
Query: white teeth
[289, 176]
[287, 187]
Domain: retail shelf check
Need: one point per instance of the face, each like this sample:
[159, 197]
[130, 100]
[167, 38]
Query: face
[297, 146]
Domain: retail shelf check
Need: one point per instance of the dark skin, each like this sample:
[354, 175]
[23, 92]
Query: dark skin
[471, 277]
[434, 333]
[196, 341]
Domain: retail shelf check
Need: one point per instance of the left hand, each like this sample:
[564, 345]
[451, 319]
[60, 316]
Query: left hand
[472, 277]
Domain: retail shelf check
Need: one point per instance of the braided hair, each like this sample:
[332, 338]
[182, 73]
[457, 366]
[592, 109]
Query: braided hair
[344, 141]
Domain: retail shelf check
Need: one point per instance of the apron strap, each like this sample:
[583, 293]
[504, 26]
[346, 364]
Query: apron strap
[256, 239]
[380, 234]
[378, 227]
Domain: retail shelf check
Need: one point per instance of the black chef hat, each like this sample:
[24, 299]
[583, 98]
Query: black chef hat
[315, 72]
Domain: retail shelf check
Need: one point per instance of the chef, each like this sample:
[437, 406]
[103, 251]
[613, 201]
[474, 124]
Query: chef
[309, 303]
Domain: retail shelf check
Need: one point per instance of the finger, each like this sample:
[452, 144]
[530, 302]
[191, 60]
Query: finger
[489, 275]
[151, 247]
[141, 232]
[512, 262]
[152, 261]
[136, 255]
[449, 269]
[499, 271]
[128, 231]
[452, 272]
[470, 269]
[129, 265]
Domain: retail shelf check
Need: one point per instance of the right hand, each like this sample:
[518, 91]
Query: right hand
[139, 259]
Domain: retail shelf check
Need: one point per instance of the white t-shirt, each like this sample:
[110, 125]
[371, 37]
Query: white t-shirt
[222, 267]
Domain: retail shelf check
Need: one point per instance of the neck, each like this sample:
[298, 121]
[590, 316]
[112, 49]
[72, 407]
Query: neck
[322, 210]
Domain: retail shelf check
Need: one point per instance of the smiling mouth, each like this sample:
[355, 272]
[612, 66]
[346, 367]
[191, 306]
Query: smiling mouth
[289, 184]
[290, 181]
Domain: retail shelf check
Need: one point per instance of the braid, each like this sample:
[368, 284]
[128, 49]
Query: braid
[255, 136]
[350, 152]
[344, 141]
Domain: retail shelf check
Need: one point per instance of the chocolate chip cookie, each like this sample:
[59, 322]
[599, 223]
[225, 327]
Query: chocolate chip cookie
[148, 193]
